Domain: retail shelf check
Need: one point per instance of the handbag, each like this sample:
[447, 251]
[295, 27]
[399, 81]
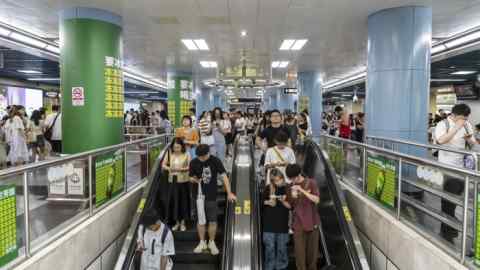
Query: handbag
[202, 219]
[49, 132]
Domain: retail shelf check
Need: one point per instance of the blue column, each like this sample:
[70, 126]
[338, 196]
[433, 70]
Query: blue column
[398, 73]
[204, 101]
[310, 86]
[285, 101]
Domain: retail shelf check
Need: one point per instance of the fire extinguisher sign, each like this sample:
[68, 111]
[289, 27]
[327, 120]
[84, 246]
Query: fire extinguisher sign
[78, 96]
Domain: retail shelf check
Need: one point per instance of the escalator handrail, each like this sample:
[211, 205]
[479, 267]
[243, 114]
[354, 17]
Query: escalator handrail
[349, 231]
[257, 249]
[127, 253]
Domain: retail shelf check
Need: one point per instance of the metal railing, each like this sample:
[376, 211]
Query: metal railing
[132, 133]
[33, 181]
[395, 145]
[351, 162]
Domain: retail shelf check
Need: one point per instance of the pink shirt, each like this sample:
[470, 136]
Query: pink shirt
[305, 212]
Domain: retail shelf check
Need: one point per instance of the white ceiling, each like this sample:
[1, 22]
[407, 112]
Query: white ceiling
[153, 28]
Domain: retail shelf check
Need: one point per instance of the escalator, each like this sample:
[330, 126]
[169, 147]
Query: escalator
[155, 195]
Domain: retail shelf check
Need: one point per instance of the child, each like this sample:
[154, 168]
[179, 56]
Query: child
[275, 222]
[280, 155]
[155, 242]
[177, 164]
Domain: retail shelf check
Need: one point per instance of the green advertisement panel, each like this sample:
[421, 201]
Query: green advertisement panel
[92, 84]
[336, 156]
[153, 154]
[180, 97]
[109, 176]
[8, 226]
[381, 179]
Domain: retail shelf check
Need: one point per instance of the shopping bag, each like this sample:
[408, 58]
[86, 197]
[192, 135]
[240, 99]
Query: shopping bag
[202, 220]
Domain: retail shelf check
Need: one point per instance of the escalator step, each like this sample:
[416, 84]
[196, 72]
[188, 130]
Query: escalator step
[193, 266]
[184, 254]
[191, 234]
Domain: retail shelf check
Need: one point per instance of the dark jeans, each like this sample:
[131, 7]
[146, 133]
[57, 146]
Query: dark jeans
[454, 186]
[56, 146]
[276, 255]
[179, 201]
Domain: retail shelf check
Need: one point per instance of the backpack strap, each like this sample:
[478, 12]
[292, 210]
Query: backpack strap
[278, 154]
[164, 234]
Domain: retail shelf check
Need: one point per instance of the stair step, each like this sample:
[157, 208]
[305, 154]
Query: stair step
[191, 234]
[184, 254]
[193, 266]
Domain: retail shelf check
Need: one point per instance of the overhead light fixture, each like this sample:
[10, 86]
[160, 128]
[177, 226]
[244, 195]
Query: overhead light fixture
[447, 80]
[346, 95]
[53, 49]
[5, 32]
[279, 64]
[438, 48]
[462, 40]
[189, 44]
[348, 79]
[463, 72]
[27, 40]
[299, 44]
[244, 33]
[286, 44]
[293, 44]
[27, 71]
[195, 45]
[44, 79]
[208, 64]
[201, 44]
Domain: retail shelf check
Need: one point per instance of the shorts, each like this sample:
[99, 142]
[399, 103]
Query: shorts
[211, 211]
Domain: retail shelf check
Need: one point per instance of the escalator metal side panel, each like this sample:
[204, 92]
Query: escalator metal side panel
[353, 245]
[256, 229]
[125, 258]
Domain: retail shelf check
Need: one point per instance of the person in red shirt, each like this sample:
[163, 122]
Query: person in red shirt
[344, 126]
[304, 199]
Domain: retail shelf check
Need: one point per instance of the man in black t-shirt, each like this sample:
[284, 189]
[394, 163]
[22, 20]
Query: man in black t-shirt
[269, 133]
[204, 171]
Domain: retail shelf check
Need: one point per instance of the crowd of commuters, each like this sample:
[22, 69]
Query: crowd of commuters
[144, 122]
[29, 138]
[344, 125]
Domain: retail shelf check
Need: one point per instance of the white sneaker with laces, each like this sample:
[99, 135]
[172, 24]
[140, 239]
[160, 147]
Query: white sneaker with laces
[213, 247]
[201, 247]
[175, 228]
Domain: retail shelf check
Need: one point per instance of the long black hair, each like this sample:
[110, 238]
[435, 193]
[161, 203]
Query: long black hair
[36, 116]
[213, 114]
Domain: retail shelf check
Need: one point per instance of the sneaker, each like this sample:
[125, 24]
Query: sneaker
[183, 228]
[201, 247]
[213, 248]
[175, 228]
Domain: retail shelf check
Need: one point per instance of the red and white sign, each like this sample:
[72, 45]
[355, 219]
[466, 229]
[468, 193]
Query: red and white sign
[78, 96]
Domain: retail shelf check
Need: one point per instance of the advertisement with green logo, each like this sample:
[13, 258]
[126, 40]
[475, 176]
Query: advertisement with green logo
[381, 179]
[8, 226]
[109, 176]
[153, 154]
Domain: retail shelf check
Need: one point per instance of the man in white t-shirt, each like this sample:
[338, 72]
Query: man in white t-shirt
[53, 122]
[155, 241]
[454, 132]
[279, 156]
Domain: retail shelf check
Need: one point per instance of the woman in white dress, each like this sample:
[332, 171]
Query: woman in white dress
[16, 138]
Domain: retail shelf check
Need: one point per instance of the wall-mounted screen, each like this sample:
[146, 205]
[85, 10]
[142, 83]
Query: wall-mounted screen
[466, 91]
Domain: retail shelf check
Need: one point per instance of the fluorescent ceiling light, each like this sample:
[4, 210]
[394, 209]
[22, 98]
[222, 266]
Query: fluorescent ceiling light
[345, 80]
[462, 40]
[53, 49]
[275, 64]
[4, 31]
[463, 72]
[190, 44]
[298, 44]
[26, 71]
[28, 40]
[283, 64]
[448, 80]
[287, 44]
[201, 44]
[244, 33]
[44, 79]
[208, 64]
[437, 49]
[346, 95]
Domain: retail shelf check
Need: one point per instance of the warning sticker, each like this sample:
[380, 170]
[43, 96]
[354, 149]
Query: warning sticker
[78, 96]
[346, 212]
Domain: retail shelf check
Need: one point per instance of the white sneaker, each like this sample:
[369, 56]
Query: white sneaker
[213, 248]
[183, 228]
[201, 247]
[175, 228]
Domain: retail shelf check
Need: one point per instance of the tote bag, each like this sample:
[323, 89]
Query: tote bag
[202, 220]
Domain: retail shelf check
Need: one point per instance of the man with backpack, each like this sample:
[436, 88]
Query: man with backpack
[53, 129]
[455, 132]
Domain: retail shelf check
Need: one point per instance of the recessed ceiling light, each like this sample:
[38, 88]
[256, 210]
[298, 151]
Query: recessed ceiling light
[283, 64]
[201, 44]
[189, 44]
[287, 44]
[26, 71]
[463, 72]
[299, 44]
[208, 64]
[244, 33]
